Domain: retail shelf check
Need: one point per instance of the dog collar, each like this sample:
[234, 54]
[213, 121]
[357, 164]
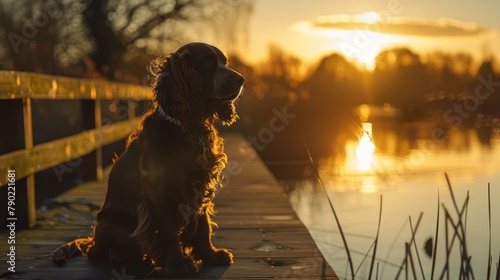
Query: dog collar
[169, 118]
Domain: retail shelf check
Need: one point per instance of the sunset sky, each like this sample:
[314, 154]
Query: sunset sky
[361, 28]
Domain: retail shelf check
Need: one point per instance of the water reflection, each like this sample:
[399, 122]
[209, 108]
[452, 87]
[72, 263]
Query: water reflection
[407, 168]
[368, 184]
[365, 149]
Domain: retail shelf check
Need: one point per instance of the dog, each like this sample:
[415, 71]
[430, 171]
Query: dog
[159, 201]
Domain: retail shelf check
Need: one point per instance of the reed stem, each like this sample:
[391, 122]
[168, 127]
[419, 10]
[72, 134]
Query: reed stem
[344, 240]
[434, 251]
[376, 240]
[489, 236]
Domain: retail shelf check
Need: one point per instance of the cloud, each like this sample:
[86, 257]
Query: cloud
[371, 21]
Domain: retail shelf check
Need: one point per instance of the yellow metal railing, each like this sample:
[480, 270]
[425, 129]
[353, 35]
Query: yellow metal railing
[32, 159]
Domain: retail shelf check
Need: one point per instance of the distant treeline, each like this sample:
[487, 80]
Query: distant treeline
[447, 89]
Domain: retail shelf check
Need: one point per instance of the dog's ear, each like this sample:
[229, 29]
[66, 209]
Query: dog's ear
[177, 87]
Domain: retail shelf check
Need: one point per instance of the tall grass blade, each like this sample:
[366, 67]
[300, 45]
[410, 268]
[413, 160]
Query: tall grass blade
[456, 234]
[349, 259]
[406, 260]
[466, 259]
[416, 251]
[465, 264]
[411, 241]
[498, 268]
[409, 262]
[364, 258]
[468, 269]
[466, 212]
[451, 192]
[434, 252]
[447, 220]
[376, 240]
[489, 235]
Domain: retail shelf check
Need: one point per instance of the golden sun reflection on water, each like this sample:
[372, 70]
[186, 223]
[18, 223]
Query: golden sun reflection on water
[360, 163]
[364, 152]
[365, 149]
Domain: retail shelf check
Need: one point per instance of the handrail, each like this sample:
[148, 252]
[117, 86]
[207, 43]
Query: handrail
[49, 154]
[16, 85]
[32, 159]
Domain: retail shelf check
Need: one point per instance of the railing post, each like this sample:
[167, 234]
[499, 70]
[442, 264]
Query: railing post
[28, 144]
[131, 108]
[98, 151]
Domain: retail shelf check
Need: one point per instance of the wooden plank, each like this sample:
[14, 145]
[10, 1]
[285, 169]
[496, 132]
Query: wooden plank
[256, 223]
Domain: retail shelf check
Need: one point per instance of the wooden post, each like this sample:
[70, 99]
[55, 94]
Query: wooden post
[131, 108]
[98, 151]
[28, 144]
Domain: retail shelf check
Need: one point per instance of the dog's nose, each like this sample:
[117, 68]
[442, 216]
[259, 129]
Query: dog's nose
[236, 78]
[239, 80]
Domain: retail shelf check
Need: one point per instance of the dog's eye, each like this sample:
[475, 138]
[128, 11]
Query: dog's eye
[209, 63]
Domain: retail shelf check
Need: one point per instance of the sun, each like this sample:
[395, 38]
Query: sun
[362, 46]
[364, 57]
[359, 38]
[366, 45]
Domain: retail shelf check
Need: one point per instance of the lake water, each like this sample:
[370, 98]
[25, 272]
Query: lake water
[407, 175]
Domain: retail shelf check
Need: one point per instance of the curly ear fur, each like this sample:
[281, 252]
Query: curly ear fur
[227, 113]
[177, 88]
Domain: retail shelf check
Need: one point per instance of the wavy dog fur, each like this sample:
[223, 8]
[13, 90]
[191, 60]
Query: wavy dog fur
[159, 203]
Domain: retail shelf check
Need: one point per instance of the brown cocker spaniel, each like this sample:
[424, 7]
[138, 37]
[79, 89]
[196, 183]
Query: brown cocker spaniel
[158, 205]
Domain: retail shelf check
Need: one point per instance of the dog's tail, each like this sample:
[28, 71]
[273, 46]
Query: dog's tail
[79, 246]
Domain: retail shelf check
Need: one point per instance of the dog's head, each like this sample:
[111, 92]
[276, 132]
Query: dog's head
[194, 84]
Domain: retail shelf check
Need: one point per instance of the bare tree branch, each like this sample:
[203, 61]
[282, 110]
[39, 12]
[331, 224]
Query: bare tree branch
[130, 16]
[153, 22]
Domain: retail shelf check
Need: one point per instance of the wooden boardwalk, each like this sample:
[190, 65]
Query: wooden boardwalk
[255, 221]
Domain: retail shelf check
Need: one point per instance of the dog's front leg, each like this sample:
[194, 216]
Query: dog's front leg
[172, 259]
[201, 241]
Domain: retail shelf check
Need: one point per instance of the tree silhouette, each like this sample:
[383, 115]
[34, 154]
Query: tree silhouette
[335, 87]
[401, 80]
[103, 33]
[30, 32]
[491, 99]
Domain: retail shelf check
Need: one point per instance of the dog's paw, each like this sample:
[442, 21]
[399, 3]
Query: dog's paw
[218, 256]
[194, 265]
[182, 266]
